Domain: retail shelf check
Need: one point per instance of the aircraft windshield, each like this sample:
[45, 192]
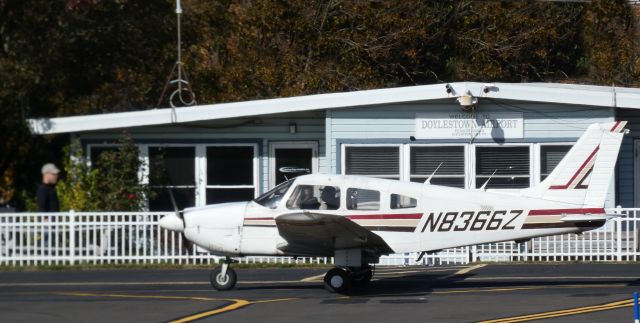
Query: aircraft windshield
[272, 198]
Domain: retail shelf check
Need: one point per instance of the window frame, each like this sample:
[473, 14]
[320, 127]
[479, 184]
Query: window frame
[407, 165]
[473, 157]
[380, 199]
[390, 198]
[273, 145]
[202, 162]
[538, 156]
[469, 155]
[146, 163]
[401, 157]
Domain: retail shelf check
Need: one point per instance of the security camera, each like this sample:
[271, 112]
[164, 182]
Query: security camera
[487, 87]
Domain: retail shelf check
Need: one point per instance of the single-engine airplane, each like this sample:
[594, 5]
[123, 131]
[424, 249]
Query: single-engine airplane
[357, 219]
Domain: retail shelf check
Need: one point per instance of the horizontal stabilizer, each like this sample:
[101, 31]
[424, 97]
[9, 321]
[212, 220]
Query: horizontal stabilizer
[584, 217]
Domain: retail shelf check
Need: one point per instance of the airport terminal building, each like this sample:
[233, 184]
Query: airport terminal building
[509, 134]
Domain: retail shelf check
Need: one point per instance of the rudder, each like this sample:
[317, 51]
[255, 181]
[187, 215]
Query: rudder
[583, 176]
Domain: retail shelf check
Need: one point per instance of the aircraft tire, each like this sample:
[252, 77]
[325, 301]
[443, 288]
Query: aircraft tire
[219, 282]
[363, 279]
[337, 280]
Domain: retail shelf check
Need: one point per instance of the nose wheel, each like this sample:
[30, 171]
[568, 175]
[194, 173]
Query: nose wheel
[223, 277]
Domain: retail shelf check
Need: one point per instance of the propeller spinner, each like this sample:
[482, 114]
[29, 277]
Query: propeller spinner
[173, 222]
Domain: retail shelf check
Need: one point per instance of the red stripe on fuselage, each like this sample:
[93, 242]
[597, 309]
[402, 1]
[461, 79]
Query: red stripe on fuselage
[368, 217]
[566, 211]
[584, 164]
[384, 216]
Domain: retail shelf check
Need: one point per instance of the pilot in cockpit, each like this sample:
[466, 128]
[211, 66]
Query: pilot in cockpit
[307, 201]
[330, 198]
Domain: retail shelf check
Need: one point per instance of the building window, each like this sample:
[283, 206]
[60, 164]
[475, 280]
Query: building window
[376, 161]
[362, 199]
[230, 174]
[510, 164]
[172, 168]
[424, 160]
[550, 157]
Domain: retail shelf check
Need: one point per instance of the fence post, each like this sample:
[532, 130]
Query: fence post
[619, 238]
[474, 253]
[72, 237]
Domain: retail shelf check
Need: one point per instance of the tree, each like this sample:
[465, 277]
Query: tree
[610, 42]
[111, 184]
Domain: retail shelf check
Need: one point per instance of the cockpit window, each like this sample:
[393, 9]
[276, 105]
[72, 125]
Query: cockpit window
[314, 197]
[272, 198]
[362, 199]
[402, 202]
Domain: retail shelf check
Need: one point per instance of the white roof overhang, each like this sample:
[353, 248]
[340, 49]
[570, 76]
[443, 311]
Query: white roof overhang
[539, 92]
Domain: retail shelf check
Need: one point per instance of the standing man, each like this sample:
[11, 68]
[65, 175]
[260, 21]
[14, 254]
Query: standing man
[47, 197]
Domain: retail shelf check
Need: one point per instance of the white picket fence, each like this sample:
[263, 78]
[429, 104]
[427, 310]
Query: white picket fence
[28, 239]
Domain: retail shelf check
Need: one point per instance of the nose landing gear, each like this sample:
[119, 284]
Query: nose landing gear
[223, 277]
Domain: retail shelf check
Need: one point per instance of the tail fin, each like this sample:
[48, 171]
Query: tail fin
[584, 174]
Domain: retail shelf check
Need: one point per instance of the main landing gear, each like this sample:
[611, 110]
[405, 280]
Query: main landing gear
[340, 279]
[223, 277]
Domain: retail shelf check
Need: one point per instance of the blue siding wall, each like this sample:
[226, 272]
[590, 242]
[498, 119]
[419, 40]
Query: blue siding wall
[626, 171]
[550, 122]
[395, 123]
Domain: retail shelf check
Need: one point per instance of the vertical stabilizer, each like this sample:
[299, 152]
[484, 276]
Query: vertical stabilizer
[584, 174]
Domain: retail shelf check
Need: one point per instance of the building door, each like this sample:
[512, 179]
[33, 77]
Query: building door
[291, 159]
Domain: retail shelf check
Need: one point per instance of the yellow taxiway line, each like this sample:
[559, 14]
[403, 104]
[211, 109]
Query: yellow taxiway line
[235, 303]
[492, 290]
[550, 277]
[240, 303]
[468, 269]
[558, 313]
[508, 289]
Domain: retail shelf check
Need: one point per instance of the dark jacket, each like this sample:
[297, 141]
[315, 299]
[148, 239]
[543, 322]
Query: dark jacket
[47, 198]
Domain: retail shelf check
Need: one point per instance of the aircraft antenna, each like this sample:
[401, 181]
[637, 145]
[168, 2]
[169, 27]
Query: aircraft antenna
[183, 94]
[484, 186]
[428, 181]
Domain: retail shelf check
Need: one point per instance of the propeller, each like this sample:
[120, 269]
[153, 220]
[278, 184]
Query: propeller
[174, 204]
[174, 222]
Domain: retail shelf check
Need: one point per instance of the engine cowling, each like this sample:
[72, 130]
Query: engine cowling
[217, 227]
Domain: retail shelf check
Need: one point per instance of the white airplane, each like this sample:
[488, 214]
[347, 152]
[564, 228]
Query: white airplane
[357, 219]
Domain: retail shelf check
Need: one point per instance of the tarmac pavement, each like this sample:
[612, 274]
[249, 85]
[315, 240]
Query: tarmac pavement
[470, 293]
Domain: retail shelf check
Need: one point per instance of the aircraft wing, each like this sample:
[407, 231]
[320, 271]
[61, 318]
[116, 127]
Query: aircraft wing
[315, 233]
